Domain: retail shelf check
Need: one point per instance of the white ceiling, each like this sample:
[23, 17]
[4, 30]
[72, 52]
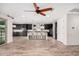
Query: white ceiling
[17, 11]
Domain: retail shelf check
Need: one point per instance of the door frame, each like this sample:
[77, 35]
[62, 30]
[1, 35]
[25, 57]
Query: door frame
[56, 30]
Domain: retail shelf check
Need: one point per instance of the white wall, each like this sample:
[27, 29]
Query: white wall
[66, 34]
[61, 34]
[73, 33]
[9, 31]
[61, 16]
[53, 30]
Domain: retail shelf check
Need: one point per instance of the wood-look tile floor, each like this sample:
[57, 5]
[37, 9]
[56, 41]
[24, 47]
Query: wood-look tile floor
[23, 47]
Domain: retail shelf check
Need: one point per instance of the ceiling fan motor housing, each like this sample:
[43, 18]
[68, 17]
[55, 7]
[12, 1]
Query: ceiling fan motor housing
[38, 11]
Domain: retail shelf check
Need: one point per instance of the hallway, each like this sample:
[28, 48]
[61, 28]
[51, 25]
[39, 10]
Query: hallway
[21, 46]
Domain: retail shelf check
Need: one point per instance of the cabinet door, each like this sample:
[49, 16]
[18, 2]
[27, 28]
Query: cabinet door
[2, 32]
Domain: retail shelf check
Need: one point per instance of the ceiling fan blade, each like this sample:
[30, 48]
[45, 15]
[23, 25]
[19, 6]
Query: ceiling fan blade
[46, 9]
[36, 6]
[28, 11]
[42, 14]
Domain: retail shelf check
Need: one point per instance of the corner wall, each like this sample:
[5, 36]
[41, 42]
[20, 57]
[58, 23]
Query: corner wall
[9, 31]
[61, 30]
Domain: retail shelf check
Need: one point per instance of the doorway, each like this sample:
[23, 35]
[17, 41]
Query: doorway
[56, 30]
[50, 28]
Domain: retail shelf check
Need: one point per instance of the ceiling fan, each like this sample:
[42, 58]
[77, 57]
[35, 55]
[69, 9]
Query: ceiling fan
[40, 11]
